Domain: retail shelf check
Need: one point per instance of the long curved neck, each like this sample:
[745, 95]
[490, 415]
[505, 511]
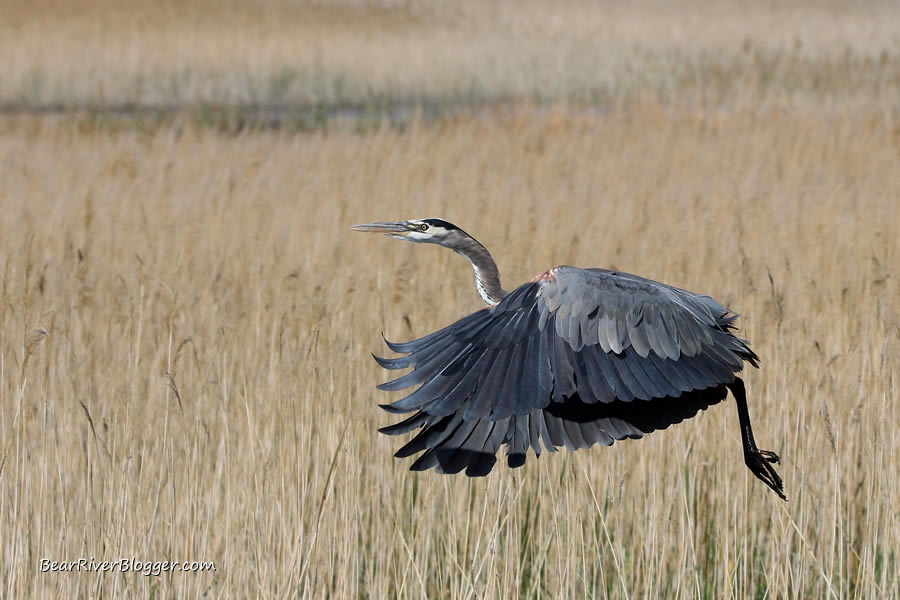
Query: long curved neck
[487, 277]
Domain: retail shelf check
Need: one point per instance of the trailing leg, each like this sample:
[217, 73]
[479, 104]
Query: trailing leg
[757, 460]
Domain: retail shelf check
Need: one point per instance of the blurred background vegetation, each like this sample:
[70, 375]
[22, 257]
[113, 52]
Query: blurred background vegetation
[273, 58]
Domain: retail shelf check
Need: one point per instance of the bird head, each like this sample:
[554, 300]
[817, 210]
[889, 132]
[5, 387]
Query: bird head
[427, 231]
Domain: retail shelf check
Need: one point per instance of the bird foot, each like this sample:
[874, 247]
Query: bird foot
[769, 456]
[758, 462]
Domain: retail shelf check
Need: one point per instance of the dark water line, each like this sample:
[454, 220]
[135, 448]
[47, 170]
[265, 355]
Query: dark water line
[276, 116]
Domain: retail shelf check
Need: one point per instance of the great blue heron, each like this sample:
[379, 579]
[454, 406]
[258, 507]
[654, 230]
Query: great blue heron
[575, 357]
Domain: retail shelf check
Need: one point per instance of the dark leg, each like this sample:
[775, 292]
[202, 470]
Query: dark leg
[757, 460]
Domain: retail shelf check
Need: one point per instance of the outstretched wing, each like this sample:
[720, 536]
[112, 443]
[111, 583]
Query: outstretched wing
[576, 358]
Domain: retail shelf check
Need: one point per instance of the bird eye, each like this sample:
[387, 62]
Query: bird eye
[423, 227]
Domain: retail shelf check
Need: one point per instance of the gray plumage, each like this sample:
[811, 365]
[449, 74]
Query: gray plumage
[574, 358]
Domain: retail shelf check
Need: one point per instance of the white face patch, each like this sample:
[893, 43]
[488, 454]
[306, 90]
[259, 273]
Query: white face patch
[419, 236]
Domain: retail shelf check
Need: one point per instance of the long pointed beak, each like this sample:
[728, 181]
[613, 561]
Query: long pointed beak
[393, 228]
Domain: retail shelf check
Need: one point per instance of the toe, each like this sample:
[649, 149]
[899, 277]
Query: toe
[770, 456]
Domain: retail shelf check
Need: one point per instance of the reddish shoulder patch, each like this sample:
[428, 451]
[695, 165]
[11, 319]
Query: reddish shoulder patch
[547, 276]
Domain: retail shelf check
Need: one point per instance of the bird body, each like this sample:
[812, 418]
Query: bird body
[574, 358]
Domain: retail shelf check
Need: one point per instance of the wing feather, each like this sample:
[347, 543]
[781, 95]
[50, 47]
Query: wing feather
[626, 375]
[562, 369]
[555, 434]
[673, 375]
[427, 370]
[479, 406]
[431, 437]
[601, 388]
[535, 427]
[667, 342]
[636, 332]
[519, 439]
[406, 425]
[505, 397]
[604, 361]
[463, 388]
[572, 435]
[594, 434]
[488, 455]
[441, 453]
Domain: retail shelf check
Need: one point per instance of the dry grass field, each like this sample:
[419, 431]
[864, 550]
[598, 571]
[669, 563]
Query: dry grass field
[186, 322]
[204, 390]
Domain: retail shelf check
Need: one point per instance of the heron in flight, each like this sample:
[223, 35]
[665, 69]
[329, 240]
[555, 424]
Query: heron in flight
[575, 357]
